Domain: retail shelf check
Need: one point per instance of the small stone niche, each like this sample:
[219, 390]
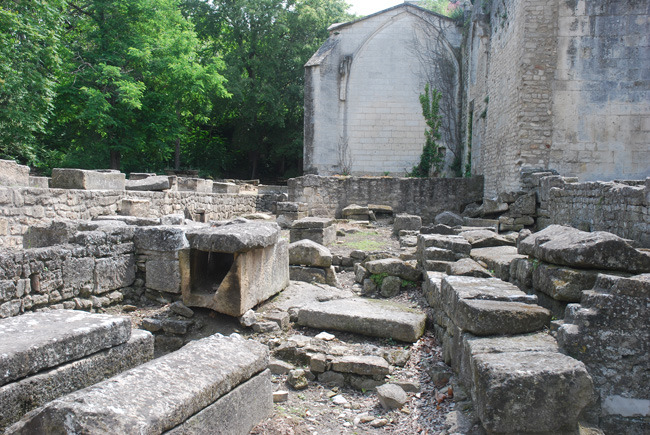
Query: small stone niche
[208, 270]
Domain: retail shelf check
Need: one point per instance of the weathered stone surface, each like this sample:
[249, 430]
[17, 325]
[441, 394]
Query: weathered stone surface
[39, 182]
[13, 175]
[439, 229]
[390, 286]
[568, 246]
[179, 308]
[394, 267]
[194, 185]
[23, 395]
[254, 276]
[112, 273]
[439, 254]
[367, 317]
[483, 317]
[180, 385]
[432, 288]
[155, 183]
[36, 341]
[391, 396]
[313, 274]
[467, 267]
[235, 237]
[498, 259]
[561, 283]
[163, 275]
[492, 206]
[309, 253]
[160, 238]
[219, 187]
[299, 294]
[361, 365]
[449, 218]
[135, 207]
[297, 379]
[405, 221]
[354, 211]
[58, 232]
[235, 413]
[104, 179]
[312, 222]
[485, 239]
[530, 391]
[456, 244]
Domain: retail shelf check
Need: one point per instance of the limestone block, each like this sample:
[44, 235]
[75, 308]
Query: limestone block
[218, 187]
[356, 212]
[137, 176]
[432, 289]
[58, 232]
[439, 229]
[467, 267]
[521, 272]
[485, 239]
[479, 222]
[394, 267]
[153, 183]
[194, 185]
[234, 283]
[523, 205]
[180, 384]
[113, 273]
[498, 259]
[518, 392]
[160, 238]
[78, 272]
[449, 218]
[135, 207]
[390, 286]
[456, 244]
[391, 396]
[366, 317]
[313, 274]
[235, 413]
[562, 283]
[39, 182]
[482, 317]
[309, 253]
[571, 247]
[234, 238]
[405, 221]
[26, 394]
[439, 254]
[105, 179]
[323, 236]
[37, 341]
[313, 222]
[163, 275]
[491, 207]
[361, 365]
[13, 175]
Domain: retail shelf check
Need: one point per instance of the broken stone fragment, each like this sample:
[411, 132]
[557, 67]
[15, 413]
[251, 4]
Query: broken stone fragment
[394, 267]
[355, 212]
[279, 367]
[405, 221]
[391, 396]
[449, 218]
[155, 183]
[297, 379]
[309, 253]
[280, 396]
[390, 286]
[179, 308]
[361, 365]
[467, 267]
[248, 319]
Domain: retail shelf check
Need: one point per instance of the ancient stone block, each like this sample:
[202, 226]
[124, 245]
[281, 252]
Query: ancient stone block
[135, 207]
[366, 317]
[449, 218]
[467, 267]
[58, 232]
[390, 286]
[319, 230]
[485, 239]
[39, 182]
[498, 259]
[361, 365]
[218, 187]
[568, 246]
[181, 384]
[160, 238]
[309, 253]
[563, 283]
[26, 394]
[405, 221]
[78, 272]
[394, 267]
[232, 238]
[391, 396]
[313, 274]
[233, 283]
[36, 341]
[456, 244]
[355, 212]
[103, 179]
[153, 183]
[163, 275]
[113, 273]
[13, 175]
[530, 391]
[482, 317]
[194, 185]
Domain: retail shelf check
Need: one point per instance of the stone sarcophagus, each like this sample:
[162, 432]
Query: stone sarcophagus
[234, 267]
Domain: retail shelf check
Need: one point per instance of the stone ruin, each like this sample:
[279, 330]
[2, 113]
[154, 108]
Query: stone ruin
[546, 331]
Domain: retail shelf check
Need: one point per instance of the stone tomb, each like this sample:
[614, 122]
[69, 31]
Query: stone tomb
[48, 354]
[317, 229]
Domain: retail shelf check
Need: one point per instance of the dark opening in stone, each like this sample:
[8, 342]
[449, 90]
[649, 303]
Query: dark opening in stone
[208, 269]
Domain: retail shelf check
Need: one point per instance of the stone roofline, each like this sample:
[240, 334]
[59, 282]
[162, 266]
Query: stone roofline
[338, 26]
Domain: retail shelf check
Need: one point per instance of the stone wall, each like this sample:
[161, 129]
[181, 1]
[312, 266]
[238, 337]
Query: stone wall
[558, 84]
[426, 197]
[622, 208]
[24, 207]
[362, 109]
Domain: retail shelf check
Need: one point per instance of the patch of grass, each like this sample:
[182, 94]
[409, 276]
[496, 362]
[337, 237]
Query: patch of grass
[378, 278]
[364, 241]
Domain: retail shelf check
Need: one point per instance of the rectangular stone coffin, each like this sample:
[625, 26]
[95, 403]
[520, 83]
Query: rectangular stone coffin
[64, 178]
[184, 391]
[235, 267]
[13, 175]
[37, 341]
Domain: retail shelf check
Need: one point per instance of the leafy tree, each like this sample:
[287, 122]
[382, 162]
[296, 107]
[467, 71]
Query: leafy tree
[29, 62]
[133, 84]
[432, 158]
[442, 7]
[265, 44]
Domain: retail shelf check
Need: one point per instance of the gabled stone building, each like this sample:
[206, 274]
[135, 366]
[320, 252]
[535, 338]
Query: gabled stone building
[362, 109]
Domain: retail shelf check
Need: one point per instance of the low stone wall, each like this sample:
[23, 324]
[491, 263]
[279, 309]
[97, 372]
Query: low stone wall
[622, 208]
[21, 208]
[426, 197]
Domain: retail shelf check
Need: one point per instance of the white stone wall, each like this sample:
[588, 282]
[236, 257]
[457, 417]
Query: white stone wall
[363, 114]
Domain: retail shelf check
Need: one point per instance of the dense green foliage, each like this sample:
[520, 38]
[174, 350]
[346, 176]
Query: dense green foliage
[144, 85]
[432, 157]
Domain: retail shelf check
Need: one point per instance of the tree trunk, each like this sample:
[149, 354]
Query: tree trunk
[254, 158]
[115, 159]
[177, 155]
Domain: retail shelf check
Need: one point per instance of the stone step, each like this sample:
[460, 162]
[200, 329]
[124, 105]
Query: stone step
[376, 318]
[26, 394]
[37, 341]
[497, 259]
[488, 306]
[457, 244]
[179, 391]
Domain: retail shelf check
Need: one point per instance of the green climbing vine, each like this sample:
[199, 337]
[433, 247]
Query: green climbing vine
[432, 158]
